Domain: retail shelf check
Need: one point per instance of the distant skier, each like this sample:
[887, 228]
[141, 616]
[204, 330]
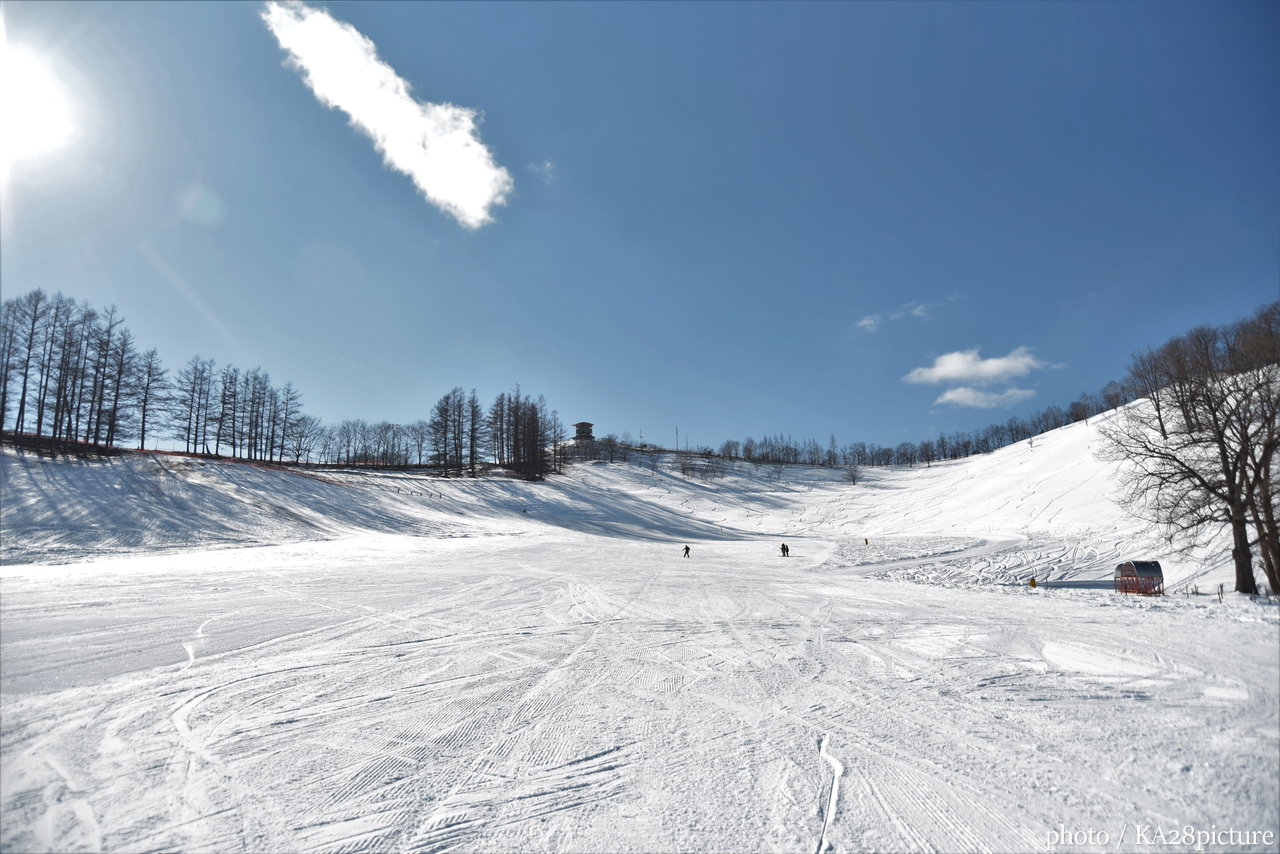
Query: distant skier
[686, 551]
[786, 551]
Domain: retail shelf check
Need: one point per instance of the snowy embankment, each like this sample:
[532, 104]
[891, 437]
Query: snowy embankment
[210, 656]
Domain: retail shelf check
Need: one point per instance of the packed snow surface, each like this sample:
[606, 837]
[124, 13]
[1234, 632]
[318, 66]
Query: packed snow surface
[205, 656]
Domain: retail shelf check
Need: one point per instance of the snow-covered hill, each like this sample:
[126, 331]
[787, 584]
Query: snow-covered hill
[207, 656]
[1042, 507]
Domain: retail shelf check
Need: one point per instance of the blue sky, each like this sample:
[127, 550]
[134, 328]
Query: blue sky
[734, 218]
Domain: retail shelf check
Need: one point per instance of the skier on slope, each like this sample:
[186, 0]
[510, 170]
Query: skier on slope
[686, 551]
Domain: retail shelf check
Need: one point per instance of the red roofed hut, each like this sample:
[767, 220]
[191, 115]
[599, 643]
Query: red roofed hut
[1140, 576]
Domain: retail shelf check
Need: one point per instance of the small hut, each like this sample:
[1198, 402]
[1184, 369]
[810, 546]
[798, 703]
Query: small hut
[584, 432]
[1140, 576]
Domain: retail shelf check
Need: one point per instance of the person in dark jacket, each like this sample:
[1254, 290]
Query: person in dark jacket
[786, 551]
[686, 551]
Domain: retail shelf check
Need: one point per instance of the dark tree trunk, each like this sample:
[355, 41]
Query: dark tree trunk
[1240, 553]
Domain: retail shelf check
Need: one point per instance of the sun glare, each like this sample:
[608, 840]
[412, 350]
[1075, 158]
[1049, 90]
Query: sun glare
[35, 113]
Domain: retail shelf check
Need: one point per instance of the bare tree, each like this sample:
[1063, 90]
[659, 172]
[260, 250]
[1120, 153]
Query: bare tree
[151, 385]
[30, 311]
[497, 422]
[475, 431]
[55, 334]
[457, 430]
[9, 331]
[1114, 396]
[448, 431]
[388, 446]
[419, 433]
[905, 454]
[75, 384]
[1257, 347]
[103, 346]
[1199, 449]
[927, 452]
[116, 408]
[557, 435]
[290, 413]
[191, 403]
[228, 418]
[307, 433]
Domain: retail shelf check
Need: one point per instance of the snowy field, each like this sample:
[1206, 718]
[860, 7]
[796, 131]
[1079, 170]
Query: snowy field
[215, 657]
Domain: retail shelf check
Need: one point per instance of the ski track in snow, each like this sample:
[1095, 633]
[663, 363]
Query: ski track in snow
[829, 813]
[400, 664]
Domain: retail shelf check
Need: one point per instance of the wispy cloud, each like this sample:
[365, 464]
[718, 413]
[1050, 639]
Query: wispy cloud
[546, 170]
[437, 145]
[873, 322]
[965, 396]
[966, 366]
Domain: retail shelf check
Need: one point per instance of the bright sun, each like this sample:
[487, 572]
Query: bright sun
[35, 113]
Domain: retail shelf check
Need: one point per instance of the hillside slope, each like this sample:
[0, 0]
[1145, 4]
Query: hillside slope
[1042, 507]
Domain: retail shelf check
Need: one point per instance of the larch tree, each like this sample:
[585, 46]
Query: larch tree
[151, 387]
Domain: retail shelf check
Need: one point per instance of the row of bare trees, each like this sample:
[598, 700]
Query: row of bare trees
[235, 413]
[73, 373]
[780, 449]
[516, 432]
[525, 435]
[1199, 452]
[461, 437]
[360, 442]
[455, 432]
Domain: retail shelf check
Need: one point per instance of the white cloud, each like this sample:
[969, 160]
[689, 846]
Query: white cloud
[965, 396]
[966, 366]
[436, 145]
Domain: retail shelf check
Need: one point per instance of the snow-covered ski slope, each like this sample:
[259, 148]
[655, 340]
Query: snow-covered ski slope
[206, 656]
